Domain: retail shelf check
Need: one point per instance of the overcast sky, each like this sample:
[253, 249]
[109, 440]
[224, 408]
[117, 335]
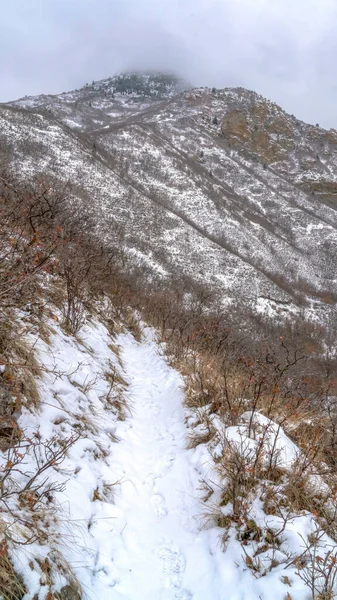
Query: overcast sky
[284, 49]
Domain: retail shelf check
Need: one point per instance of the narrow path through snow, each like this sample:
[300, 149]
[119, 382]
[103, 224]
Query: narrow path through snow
[161, 554]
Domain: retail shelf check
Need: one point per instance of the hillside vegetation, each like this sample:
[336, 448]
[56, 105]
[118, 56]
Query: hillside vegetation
[215, 187]
[92, 424]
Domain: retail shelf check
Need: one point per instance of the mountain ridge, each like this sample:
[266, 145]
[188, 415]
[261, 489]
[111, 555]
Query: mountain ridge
[221, 187]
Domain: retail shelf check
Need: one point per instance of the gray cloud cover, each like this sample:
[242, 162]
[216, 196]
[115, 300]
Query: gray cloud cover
[284, 49]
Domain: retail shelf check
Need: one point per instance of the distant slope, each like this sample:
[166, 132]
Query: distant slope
[220, 187]
[102, 102]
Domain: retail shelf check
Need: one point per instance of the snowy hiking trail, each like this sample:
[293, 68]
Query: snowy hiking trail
[162, 546]
[163, 556]
[132, 509]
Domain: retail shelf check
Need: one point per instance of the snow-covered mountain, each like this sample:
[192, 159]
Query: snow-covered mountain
[211, 187]
[153, 446]
[101, 102]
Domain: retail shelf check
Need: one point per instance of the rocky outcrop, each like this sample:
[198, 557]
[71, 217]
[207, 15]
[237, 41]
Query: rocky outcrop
[265, 133]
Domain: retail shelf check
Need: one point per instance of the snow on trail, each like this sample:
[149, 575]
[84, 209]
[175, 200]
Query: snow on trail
[160, 552]
[131, 510]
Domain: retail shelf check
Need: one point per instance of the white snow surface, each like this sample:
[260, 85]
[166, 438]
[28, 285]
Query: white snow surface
[131, 521]
[159, 542]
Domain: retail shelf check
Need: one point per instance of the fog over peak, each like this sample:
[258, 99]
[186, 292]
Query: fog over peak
[283, 49]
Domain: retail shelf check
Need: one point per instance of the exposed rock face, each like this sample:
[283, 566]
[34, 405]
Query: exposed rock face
[298, 151]
[270, 139]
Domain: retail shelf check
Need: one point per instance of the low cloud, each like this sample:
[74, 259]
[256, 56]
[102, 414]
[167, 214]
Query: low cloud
[284, 49]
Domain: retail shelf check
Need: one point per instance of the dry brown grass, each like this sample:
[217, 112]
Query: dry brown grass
[115, 397]
[132, 323]
[194, 439]
[115, 349]
[115, 379]
[119, 328]
[202, 381]
[11, 583]
[50, 569]
[22, 372]
[228, 390]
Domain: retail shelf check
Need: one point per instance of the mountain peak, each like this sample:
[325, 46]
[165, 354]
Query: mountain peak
[132, 87]
[155, 85]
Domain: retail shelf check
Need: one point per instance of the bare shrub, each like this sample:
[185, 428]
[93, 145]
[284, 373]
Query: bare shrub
[317, 567]
[22, 489]
[237, 464]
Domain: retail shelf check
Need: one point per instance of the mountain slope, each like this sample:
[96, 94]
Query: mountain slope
[188, 460]
[217, 186]
[102, 102]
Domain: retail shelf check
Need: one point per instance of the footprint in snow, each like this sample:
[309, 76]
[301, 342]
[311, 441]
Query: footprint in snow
[163, 465]
[149, 484]
[189, 522]
[158, 503]
[160, 435]
[183, 595]
[174, 565]
[152, 408]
